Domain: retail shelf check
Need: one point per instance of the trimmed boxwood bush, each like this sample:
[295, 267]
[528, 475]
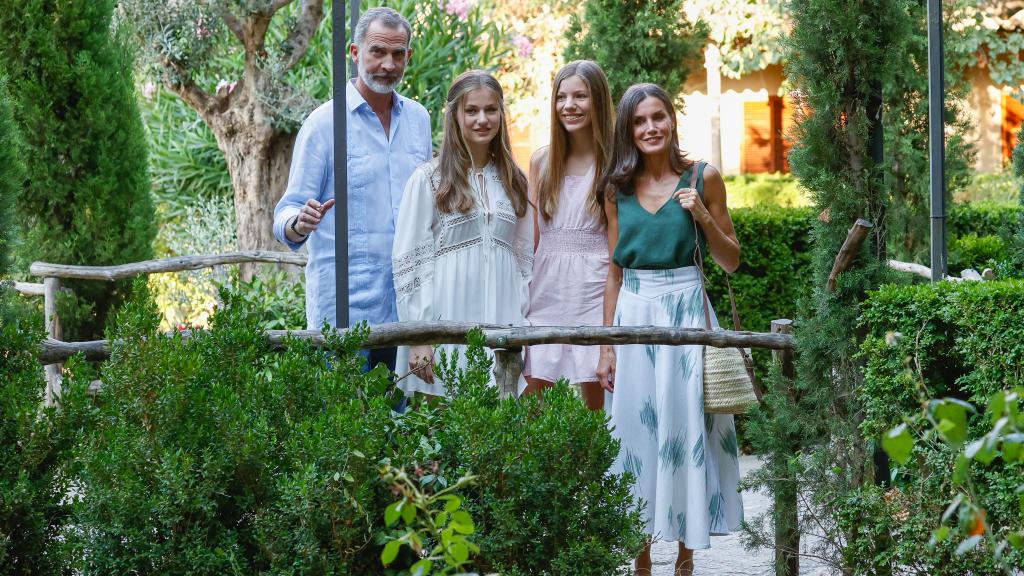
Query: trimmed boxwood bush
[966, 340]
[36, 447]
[216, 454]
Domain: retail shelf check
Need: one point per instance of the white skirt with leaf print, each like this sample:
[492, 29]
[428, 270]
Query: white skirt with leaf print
[685, 463]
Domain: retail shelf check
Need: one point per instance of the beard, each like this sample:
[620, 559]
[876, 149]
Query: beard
[379, 83]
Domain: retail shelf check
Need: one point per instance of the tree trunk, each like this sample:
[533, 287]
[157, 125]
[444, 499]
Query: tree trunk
[258, 158]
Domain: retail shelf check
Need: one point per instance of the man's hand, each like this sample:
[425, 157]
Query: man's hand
[310, 215]
[421, 362]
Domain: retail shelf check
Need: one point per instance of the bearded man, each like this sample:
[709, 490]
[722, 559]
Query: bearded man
[388, 137]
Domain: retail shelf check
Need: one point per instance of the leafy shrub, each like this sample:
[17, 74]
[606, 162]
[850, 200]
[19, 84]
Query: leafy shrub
[204, 226]
[185, 162]
[543, 501]
[774, 273]
[981, 219]
[775, 189]
[955, 340]
[36, 447]
[995, 187]
[973, 251]
[213, 454]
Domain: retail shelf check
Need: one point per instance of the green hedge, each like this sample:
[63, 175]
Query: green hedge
[963, 340]
[775, 256]
[216, 454]
[36, 448]
[982, 218]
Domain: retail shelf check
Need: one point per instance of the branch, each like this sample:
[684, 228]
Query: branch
[854, 239]
[498, 337]
[177, 264]
[278, 4]
[185, 88]
[233, 23]
[297, 42]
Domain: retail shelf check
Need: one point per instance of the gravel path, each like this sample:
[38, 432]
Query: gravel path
[727, 555]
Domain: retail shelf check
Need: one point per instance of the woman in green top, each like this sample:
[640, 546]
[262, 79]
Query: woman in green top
[660, 205]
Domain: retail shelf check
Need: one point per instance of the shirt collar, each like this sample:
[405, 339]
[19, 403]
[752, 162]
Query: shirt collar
[355, 99]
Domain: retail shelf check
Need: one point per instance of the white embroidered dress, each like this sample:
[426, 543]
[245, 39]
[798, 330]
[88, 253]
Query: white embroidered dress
[472, 266]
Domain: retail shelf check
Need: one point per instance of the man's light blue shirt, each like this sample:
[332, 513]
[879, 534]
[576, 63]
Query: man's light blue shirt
[378, 167]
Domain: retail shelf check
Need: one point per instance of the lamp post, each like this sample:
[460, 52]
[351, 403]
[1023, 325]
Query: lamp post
[936, 140]
[338, 80]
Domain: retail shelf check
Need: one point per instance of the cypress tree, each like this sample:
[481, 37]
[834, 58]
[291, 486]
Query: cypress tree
[12, 174]
[637, 41]
[807, 429]
[86, 199]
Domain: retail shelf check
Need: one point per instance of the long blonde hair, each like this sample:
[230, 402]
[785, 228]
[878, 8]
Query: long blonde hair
[601, 124]
[454, 162]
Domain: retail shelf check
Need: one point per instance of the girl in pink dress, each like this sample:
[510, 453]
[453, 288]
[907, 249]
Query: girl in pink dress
[571, 259]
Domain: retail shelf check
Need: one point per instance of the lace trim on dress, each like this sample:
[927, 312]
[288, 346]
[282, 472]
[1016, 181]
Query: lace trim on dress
[523, 257]
[459, 246]
[414, 266]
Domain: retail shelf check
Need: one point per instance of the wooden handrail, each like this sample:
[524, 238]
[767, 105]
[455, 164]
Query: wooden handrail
[496, 337]
[176, 264]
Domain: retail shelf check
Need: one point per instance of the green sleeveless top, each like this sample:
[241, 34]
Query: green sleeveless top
[663, 240]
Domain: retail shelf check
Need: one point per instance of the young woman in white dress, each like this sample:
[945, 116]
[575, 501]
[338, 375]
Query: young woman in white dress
[464, 237]
[571, 259]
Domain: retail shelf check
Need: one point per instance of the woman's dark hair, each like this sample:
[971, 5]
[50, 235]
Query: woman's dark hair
[626, 160]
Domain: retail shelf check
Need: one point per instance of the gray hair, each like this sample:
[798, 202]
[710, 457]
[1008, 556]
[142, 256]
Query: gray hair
[389, 17]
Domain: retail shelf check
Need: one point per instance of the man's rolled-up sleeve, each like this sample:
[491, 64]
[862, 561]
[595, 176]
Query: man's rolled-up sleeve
[305, 180]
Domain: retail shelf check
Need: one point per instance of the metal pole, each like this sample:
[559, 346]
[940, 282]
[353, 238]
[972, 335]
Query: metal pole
[936, 139]
[353, 20]
[338, 80]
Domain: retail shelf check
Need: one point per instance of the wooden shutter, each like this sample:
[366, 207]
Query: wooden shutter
[1013, 116]
[764, 124]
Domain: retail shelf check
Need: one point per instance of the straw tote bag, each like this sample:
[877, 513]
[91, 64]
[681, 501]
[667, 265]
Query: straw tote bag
[730, 386]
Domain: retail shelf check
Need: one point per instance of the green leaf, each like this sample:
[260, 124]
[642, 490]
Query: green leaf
[441, 519]
[453, 503]
[898, 444]
[409, 513]
[390, 552]
[1016, 539]
[952, 417]
[459, 552]
[462, 522]
[391, 513]
[967, 545]
[996, 405]
[939, 535]
[982, 450]
[422, 568]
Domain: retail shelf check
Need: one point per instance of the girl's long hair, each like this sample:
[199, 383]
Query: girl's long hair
[626, 160]
[454, 163]
[601, 119]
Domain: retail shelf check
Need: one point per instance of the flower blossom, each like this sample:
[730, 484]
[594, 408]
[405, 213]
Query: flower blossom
[148, 90]
[459, 8]
[523, 45]
[230, 86]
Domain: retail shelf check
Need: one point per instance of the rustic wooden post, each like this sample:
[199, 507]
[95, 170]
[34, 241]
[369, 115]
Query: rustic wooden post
[787, 517]
[53, 371]
[854, 239]
[508, 366]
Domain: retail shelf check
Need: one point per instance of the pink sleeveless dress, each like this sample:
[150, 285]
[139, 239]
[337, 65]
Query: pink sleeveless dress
[570, 267]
